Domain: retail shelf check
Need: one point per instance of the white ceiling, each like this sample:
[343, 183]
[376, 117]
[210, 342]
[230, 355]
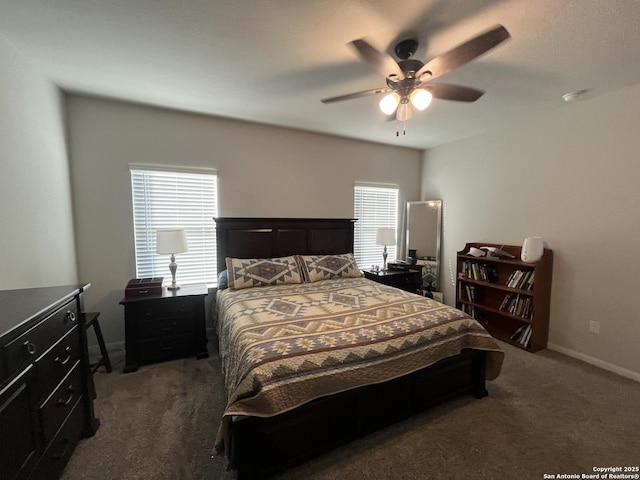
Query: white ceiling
[272, 61]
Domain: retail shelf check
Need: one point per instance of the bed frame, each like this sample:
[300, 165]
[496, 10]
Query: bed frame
[258, 447]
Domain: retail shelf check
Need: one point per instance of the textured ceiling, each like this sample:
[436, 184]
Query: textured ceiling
[272, 61]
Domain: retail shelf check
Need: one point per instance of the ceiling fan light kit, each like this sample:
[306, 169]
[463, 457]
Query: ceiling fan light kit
[409, 80]
[421, 98]
[389, 103]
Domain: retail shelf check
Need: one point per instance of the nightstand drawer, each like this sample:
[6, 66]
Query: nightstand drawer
[158, 350]
[34, 342]
[175, 308]
[166, 327]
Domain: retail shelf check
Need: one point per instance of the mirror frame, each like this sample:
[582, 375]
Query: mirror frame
[438, 205]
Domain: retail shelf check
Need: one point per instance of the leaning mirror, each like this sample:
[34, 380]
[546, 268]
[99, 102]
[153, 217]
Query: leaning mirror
[424, 225]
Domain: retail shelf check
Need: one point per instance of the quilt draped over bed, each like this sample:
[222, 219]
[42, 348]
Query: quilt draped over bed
[283, 346]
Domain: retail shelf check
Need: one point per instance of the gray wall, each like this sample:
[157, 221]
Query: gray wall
[263, 172]
[37, 243]
[570, 176]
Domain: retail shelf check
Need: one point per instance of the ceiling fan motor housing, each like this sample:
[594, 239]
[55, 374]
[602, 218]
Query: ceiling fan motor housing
[406, 48]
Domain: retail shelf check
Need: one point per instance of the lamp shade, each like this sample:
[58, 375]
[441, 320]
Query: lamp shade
[386, 236]
[421, 98]
[389, 103]
[171, 241]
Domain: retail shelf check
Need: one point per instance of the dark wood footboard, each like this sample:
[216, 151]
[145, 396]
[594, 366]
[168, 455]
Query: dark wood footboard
[258, 447]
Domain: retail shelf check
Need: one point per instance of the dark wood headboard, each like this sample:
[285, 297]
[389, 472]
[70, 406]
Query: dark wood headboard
[279, 237]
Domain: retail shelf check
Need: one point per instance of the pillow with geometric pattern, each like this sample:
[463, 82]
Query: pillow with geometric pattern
[261, 272]
[326, 267]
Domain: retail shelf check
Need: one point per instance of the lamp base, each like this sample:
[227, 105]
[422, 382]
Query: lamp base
[384, 259]
[173, 266]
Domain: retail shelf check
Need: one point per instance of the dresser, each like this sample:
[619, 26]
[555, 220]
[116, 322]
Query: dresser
[46, 404]
[165, 326]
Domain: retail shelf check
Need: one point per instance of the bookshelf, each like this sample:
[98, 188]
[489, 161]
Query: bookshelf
[508, 296]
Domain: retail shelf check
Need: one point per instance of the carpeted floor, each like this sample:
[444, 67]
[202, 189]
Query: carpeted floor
[546, 413]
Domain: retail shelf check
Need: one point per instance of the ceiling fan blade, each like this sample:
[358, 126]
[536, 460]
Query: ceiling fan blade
[458, 93]
[350, 96]
[382, 62]
[464, 53]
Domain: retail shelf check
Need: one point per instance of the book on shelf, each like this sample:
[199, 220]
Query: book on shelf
[478, 271]
[471, 292]
[505, 302]
[522, 335]
[516, 304]
[517, 333]
[527, 283]
[514, 278]
[522, 280]
[527, 337]
[469, 310]
[490, 273]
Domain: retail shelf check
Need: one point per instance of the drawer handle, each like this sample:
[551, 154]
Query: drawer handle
[71, 316]
[67, 444]
[64, 362]
[63, 403]
[30, 347]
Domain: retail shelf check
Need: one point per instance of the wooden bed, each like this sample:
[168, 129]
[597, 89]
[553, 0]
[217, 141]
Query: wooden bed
[258, 447]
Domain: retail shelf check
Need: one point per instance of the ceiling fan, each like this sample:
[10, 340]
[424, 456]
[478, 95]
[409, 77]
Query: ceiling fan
[408, 80]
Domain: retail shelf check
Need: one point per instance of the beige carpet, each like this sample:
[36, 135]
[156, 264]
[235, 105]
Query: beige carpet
[546, 413]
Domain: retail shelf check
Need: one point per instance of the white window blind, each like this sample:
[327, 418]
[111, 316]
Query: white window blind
[165, 198]
[374, 207]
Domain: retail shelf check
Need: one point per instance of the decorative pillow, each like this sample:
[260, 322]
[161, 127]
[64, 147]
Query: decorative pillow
[326, 267]
[223, 280]
[261, 272]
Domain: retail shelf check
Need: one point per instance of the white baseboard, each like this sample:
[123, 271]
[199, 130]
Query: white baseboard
[595, 361]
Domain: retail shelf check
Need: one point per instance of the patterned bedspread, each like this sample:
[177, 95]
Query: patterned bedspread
[286, 345]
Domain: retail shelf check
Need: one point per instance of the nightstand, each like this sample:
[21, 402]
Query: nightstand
[165, 326]
[408, 280]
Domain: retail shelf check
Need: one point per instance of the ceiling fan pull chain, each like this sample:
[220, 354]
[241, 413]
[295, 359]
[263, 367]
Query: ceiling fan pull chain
[397, 130]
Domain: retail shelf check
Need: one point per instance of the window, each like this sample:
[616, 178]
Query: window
[175, 198]
[375, 206]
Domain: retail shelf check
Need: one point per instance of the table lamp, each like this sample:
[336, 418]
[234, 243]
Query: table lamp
[170, 242]
[385, 236]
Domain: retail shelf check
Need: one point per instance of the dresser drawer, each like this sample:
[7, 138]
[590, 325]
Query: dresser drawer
[161, 349]
[18, 440]
[56, 408]
[34, 342]
[52, 367]
[174, 308]
[61, 448]
[166, 327]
